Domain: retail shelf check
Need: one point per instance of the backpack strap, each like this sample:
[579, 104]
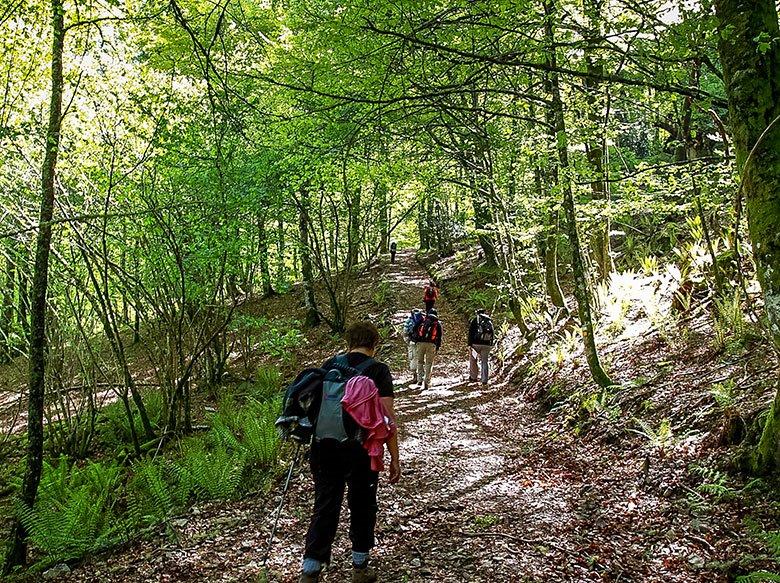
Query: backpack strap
[342, 363]
[363, 366]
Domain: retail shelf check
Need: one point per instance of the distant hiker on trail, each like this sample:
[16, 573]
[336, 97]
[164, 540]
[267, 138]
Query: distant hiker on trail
[481, 340]
[339, 462]
[430, 295]
[427, 336]
[393, 249]
[414, 320]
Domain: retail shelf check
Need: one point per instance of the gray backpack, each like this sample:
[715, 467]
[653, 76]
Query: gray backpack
[330, 419]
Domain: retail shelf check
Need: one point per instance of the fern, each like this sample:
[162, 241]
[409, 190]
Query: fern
[75, 510]
[260, 438]
[214, 474]
[714, 483]
[758, 577]
[150, 498]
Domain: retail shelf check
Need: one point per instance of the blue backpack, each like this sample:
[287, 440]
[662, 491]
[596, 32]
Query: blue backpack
[413, 322]
[330, 419]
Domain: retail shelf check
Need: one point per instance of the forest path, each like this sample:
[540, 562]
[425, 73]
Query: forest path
[480, 498]
[491, 491]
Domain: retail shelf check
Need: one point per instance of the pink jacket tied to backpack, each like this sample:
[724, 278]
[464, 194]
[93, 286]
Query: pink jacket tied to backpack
[361, 401]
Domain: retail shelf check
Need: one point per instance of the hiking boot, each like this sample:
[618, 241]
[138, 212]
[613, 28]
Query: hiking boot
[364, 574]
[309, 578]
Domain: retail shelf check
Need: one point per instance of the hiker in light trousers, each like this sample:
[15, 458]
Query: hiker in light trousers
[481, 339]
[414, 319]
[428, 338]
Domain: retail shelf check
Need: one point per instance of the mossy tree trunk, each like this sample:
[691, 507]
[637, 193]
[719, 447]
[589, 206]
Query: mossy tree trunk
[17, 553]
[750, 55]
[581, 290]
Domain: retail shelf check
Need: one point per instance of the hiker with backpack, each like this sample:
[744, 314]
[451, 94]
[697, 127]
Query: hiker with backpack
[430, 295]
[481, 339]
[393, 249]
[427, 337]
[339, 459]
[414, 320]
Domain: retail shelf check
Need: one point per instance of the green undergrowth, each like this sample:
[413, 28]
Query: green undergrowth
[84, 507]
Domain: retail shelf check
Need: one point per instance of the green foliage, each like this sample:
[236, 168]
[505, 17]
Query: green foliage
[75, 512]
[485, 521]
[771, 539]
[731, 331]
[383, 294]
[723, 393]
[714, 483]
[113, 426]
[156, 490]
[213, 472]
[757, 577]
[268, 337]
[660, 438]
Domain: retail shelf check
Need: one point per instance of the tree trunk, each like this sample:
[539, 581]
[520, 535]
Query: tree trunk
[7, 310]
[482, 219]
[281, 272]
[581, 290]
[597, 143]
[312, 313]
[552, 284]
[549, 244]
[751, 72]
[262, 252]
[37, 368]
[23, 308]
[384, 218]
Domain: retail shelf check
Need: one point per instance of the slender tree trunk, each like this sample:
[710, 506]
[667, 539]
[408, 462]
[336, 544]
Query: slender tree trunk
[262, 252]
[552, 284]
[752, 76]
[423, 228]
[482, 219]
[23, 308]
[18, 551]
[581, 290]
[384, 218]
[307, 274]
[281, 249]
[7, 310]
[353, 237]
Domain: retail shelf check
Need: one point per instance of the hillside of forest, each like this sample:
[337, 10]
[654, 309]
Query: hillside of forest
[540, 476]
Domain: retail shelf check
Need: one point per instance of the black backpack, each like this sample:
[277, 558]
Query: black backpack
[485, 333]
[302, 403]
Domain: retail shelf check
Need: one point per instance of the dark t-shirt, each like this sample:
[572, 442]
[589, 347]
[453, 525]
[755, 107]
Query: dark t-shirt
[378, 372]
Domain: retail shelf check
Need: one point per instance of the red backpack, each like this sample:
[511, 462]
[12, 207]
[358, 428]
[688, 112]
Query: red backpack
[427, 331]
[430, 293]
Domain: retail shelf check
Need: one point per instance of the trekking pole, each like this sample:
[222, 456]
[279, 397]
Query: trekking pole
[281, 503]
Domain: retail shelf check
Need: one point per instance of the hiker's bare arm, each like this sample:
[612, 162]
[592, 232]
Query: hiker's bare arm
[392, 444]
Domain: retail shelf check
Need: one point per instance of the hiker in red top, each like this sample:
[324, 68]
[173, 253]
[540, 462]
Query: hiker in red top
[430, 295]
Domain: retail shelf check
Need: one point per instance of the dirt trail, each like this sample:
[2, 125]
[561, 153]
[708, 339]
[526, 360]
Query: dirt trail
[490, 492]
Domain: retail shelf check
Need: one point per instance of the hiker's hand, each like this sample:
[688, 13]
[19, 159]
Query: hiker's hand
[395, 471]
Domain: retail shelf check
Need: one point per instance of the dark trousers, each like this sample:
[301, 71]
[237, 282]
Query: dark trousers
[335, 466]
[429, 305]
[392, 256]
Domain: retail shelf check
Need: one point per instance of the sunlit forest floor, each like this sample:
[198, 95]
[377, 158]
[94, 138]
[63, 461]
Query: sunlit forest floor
[518, 481]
